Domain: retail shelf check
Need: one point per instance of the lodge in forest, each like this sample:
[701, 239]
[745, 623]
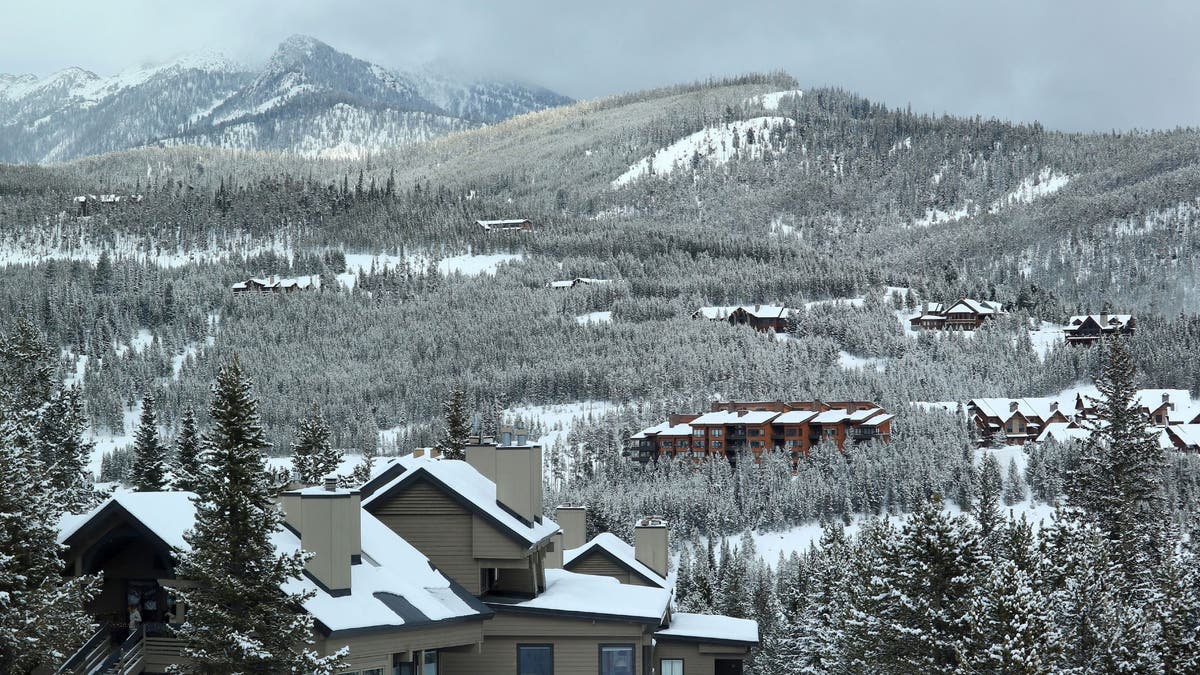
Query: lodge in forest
[1088, 329]
[577, 281]
[274, 284]
[434, 566]
[512, 225]
[762, 426]
[966, 314]
[758, 317]
[1022, 420]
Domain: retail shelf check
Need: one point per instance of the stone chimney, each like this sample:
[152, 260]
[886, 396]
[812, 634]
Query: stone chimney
[482, 458]
[1012, 406]
[573, 521]
[329, 521]
[1054, 406]
[1104, 319]
[650, 543]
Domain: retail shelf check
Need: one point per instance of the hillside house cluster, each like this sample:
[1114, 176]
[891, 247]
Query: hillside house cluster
[274, 284]
[511, 225]
[90, 205]
[433, 567]
[1171, 413]
[758, 317]
[966, 314]
[762, 426]
[1089, 329]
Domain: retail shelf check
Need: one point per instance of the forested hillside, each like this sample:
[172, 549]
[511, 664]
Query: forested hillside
[845, 198]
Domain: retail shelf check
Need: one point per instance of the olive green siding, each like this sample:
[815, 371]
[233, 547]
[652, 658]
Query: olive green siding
[698, 659]
[596, 563]
[375, 650]
[576, 644]
[437, 526]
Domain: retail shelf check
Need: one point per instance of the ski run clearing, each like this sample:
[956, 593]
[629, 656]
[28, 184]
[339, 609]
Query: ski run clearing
[1042, 184]
[468, 264]
[715, 145]
[772, 100]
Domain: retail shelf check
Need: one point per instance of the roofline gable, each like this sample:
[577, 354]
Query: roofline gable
[420, 473]
[595, 547]
[115, 509]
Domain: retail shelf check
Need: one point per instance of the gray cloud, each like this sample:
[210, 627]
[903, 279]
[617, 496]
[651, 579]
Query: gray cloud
[1072, 64]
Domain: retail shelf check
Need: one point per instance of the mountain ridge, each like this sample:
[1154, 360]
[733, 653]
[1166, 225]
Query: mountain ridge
[308, 99]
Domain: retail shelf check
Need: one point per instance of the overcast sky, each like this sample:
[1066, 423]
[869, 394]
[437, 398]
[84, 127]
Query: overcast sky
[1073, 64]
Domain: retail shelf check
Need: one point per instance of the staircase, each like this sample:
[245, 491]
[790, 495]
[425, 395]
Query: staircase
[99, 657]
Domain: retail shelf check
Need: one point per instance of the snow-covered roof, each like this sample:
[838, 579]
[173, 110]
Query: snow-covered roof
[463, 480]
[664, 429]
[1063, 432]
[618, 549]
[512, 223]
[594, 596]
[757, 311]
[735, 417]
[877, 420]
[301, 282]
[391, 568]
[1041, 408]
[1103, 320]
[1153, 399]
[708, 628]
[981, 307]
[1188, 434]
[795, 417]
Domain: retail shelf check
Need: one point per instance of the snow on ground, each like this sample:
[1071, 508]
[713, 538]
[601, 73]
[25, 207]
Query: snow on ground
[772, 100]
[557, 420]
[932, 406]
[56, 244]
[714, 144]
[467, 264]
[1046, 337]
[849, 361]
[109, 440]
[349, 461]
[778, 227]
[853, 302]
[800, 538]
[594, 317]
[1045, 182]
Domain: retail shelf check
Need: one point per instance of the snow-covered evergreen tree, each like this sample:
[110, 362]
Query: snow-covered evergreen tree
[188, 462]
[239, 619]
[149, 472]
[1014, 484]
[42, 617]
[458, 426]
[313, 456]
[987, 502]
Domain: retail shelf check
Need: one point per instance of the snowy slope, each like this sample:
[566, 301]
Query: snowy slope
[713, 145]
[309, 99]
[1042, 184]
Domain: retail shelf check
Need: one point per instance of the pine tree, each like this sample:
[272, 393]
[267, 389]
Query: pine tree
[313, 456]
[1014, 484]
[1121, 470]
[150, 457]
[987, 503]
[458, 426]
[65, 452]
[239, 619]
[188, 463]
[42, 618]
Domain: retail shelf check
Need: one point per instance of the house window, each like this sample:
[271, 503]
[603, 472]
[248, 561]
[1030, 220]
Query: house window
[616, 660]
[1009, 427]
[429, 662]
[756, 444]
[487, 579]
[716, 445]
[699, 444]
[830, 432]
[717, 432]
[535, 659]
[671, 667]
[756, 432]
[373, 671]
[403, 666]
[698, 432]
[666, 444]
[791, 431]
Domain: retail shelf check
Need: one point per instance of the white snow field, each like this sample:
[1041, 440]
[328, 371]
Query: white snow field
[1042, 184]
[594, 318]
[714, 145]
[771, 101]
